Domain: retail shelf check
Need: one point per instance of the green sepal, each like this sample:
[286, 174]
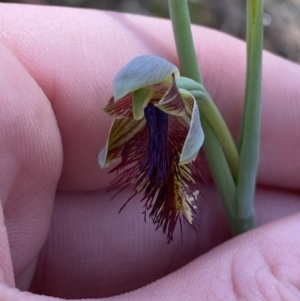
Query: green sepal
[143, 71]
[140, 99]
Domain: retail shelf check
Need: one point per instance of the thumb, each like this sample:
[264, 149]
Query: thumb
[262, 264]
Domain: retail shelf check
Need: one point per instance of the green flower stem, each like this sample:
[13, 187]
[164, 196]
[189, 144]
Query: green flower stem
[221, 172]
[216, 131]
[189, 67]
[224, 181]
[179, 13]
[218, 145]
[209, 109]
[217, 161]
[211, 112]
[250, 133]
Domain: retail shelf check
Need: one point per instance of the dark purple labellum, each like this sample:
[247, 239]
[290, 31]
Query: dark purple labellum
[150, 162]
[157, 122]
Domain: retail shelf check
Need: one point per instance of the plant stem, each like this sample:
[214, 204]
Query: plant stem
[224, 181]
[213, 115]
[189, 68]
[240, 214]
[250, 133]
[217, 161]
[209, 109]
[181, 23]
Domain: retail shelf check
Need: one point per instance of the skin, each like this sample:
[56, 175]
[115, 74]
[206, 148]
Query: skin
[60, 235]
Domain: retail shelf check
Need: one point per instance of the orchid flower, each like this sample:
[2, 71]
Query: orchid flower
[155, 138]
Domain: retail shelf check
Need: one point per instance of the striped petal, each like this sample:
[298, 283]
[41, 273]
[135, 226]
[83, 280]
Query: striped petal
[156, 136]
[121, 108]
[177, 197]
[121, 132]
[172, 102]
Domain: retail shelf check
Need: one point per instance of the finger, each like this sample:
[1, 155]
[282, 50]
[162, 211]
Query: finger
[75, 66]
[253, 266]
[100, 253]
[30, 162]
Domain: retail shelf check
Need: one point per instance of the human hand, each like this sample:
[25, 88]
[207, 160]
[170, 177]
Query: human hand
[57, 68]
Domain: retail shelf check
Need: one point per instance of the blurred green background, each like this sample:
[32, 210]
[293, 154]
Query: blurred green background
[281, 20]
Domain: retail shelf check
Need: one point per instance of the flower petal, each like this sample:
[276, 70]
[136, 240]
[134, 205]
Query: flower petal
[172, 102]
[121, 132]
[142, 71]
[170, 191]
[195, 136]
[121, 108]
